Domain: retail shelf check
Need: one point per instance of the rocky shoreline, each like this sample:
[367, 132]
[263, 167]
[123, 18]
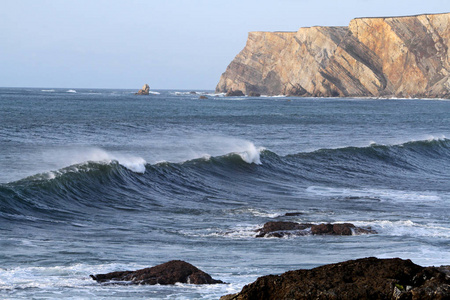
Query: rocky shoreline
[366, 278]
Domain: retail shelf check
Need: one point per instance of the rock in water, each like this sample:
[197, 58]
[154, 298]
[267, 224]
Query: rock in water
[372, 57]
[144, 91]
[367, 278]
[236, 93]
[168, 273]
[281, 229]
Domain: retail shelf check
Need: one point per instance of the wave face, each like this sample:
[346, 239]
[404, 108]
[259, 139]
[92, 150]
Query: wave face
[51, 195]
[101, 180]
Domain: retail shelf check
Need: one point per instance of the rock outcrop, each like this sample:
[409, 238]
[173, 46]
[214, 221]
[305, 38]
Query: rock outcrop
[367, 278]
[372, 57]
[144, 91]
[236, 93]
[282, 229]
[168, 273]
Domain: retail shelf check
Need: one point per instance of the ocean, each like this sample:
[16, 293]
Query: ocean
[96, 180]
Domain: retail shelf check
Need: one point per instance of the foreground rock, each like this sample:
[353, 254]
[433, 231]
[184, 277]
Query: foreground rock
[372, 57]
[144, 91]
[367, 278]
[168, 273]
[281, 229]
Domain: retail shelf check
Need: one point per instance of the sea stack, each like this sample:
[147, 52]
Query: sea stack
[144, 91]
[372, 57]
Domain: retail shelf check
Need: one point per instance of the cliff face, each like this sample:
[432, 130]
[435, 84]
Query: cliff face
[392, 57]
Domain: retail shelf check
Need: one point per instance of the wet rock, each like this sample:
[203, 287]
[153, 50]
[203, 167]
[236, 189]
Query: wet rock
[236, 93]
[281, 229]
[202, 97]
[254, 94]
[293, 214]
[367, 278]
[168, 273]
[144, 91]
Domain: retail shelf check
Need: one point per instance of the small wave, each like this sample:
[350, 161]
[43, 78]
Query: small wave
[71, 159]
[48, 91]
[154, 93]
[71, 91]
[406, 228]
[374, 194]
[251, 155]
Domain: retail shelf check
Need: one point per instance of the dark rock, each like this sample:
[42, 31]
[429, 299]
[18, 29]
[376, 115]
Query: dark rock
[202, 97]
[254, 94]
[280, 229]
[237, 93]
[367, 278]
[293, 214]
[322, 229]
[193, 93]
[144, 91]
[168, 273]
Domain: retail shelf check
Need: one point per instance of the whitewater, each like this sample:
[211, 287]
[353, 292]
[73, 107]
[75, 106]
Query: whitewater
[96, 180]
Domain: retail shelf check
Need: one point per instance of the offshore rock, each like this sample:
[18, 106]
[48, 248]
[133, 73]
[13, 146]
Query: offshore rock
[168, 273]
[367, 278]
[144, 91]
[281, 229]
[372, 57]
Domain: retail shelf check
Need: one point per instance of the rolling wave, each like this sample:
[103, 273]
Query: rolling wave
[119, 185]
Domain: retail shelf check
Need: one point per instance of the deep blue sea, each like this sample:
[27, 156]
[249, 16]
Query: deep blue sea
[94, 181]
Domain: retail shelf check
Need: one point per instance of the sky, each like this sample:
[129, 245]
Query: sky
[169, 44]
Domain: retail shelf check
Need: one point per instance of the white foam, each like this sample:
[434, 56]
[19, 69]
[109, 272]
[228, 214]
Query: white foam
[406, 228]
[49, 91]
[188, 147]
[382, 194]
[73, 156]
[154, 93]
[71, 91]
[251, 154]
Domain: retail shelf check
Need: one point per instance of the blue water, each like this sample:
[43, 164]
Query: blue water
[94, 181]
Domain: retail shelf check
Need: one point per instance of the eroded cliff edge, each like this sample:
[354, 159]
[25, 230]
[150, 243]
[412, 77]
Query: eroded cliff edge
[372, 57]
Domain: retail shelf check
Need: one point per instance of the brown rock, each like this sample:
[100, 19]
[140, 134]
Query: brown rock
[202, 97]
[144, 91]
[293, 214]
[376, 57]
[254, 94]
[280, 229]
[236, 93]
[367, 278]
[168, 273]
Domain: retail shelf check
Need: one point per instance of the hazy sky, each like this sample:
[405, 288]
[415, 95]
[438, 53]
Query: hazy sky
[169, 44]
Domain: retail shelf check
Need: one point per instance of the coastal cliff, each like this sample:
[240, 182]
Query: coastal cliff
[372, 57]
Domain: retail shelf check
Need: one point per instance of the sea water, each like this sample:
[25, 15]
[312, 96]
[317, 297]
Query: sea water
[94, 181]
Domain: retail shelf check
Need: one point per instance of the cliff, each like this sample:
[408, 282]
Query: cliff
[372, 57]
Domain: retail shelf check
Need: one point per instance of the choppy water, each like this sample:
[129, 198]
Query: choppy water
[93, 181]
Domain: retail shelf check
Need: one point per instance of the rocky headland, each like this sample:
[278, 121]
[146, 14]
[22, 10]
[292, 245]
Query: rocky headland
[372, 57]
[367, 278]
